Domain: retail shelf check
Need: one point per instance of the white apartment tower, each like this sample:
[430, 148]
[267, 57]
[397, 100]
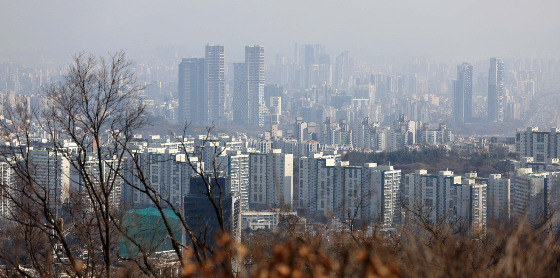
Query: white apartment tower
[308, 180]
[462, 101]
[540, 145]
[275, 110]
[496, 91]
[8, 182]
[165, 170]
[248, 102]
[254, 58]
[528, 194]
[271, 180]
[52, 173]
[479, 206]
[325, 187]
[381, 195]
[258, 166]
[201, 88]
[369, 194]
[412, 190]
[280, 176]
[498, 198]
[446, 197]
[348, 191]
[214, 110]
[107, 172]
[238, 176]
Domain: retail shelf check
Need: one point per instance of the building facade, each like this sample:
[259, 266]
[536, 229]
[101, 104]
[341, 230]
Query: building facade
[248, 102]
[191, 93]
[462, 100]
[214, 109]
[496, 93]
[538, 144]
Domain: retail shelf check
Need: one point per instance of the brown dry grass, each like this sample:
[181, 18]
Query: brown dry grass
[515, 252]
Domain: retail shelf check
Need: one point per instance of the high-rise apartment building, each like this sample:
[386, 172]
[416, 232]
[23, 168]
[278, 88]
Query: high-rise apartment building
[381, 195]
[402, 134]
[254, 57]
[249, 104]
[462, 100]
[201, 88]
[214, 110]
[498, 198]
[552, 207]
[308, 179]
[446, 197]
[271, 179]
[168, 174]
[478, 204]
[348, 185]
[240, 104]
[191, 93]
[344, 70]
[8, 181]
[258, 180]
[368, 194]
[90, 176]
[535, 196]
[238, 176]
[275, 110]
[325, 188]
[539, 144]
[496, 92]
[528, 194]
[52, 173]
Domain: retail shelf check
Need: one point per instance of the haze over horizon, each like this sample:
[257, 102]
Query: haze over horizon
[198, 138]
[370, 30]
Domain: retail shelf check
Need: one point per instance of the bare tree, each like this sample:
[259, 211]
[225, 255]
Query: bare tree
[65, 201]
[97, 109]
[31, 197]
[86, 119]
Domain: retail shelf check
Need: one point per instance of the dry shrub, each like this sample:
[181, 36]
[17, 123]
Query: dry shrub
[414, 251]
[501, 252]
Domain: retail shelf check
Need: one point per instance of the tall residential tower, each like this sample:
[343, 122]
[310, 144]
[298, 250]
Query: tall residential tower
[248, 104]
[191, 91]
[496, 90]
[463, 93]
[201, 88]
[215, 108]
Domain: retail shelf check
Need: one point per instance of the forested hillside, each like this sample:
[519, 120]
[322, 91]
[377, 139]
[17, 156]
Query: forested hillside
[434, 160]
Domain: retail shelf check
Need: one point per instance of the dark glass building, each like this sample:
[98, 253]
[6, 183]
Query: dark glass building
[201, 215]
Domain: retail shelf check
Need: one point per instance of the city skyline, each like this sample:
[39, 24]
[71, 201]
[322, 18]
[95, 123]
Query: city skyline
[279, 138]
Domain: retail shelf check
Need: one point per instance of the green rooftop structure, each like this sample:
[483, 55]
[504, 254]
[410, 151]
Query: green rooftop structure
[147, 228]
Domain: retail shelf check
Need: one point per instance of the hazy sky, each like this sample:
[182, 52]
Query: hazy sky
[366, 28]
